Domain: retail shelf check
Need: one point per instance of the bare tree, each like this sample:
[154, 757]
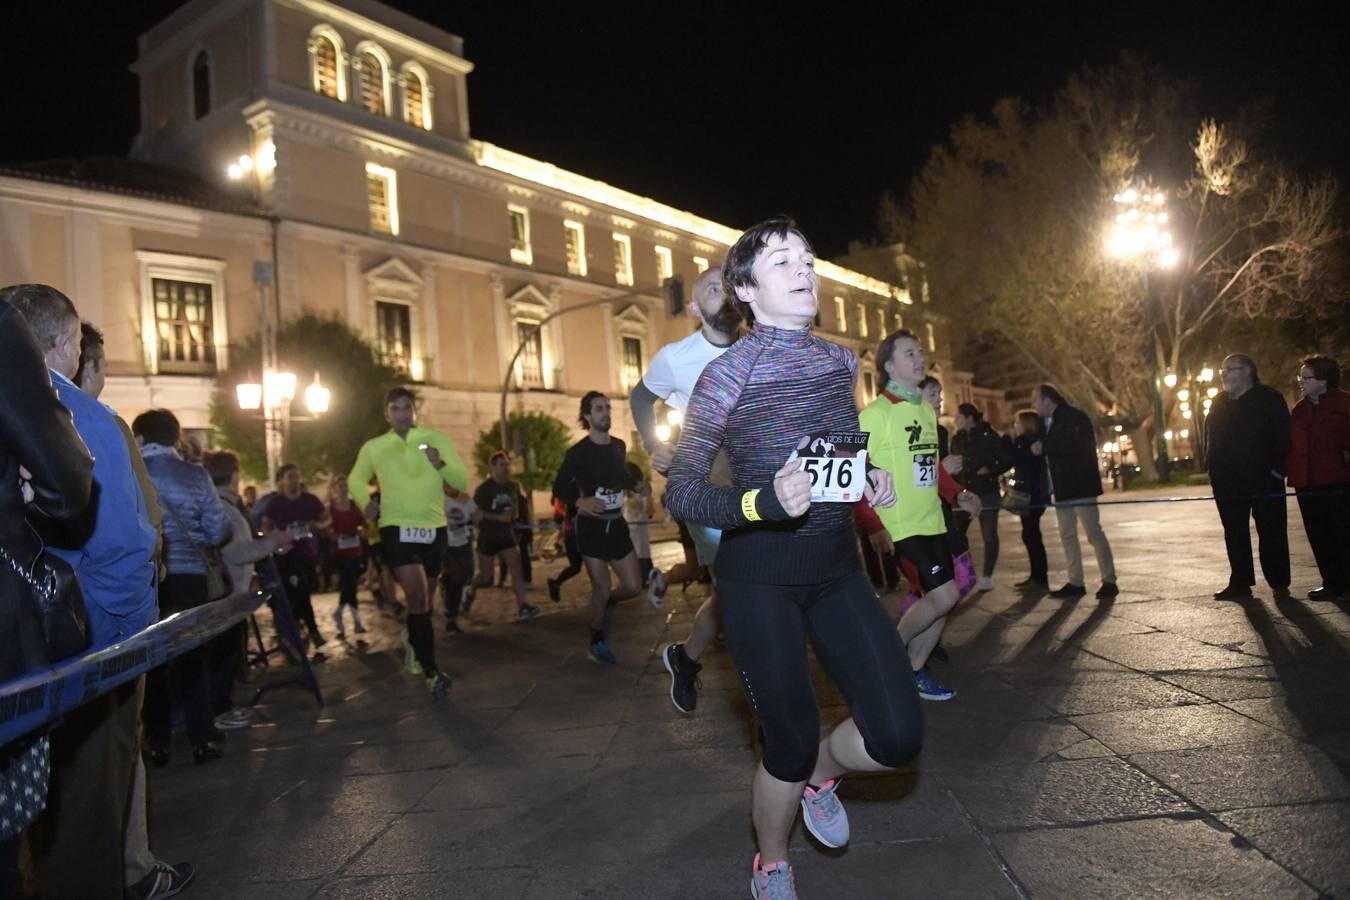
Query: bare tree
[1011, 216]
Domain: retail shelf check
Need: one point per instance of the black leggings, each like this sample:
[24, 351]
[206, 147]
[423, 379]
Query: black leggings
[1031, 539]
[767, 627]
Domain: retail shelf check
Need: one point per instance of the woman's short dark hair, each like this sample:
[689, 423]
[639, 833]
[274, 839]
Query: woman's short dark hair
[738, 267]
[157, 426]
[970, 411]
[886, 349]
[929, 381]
[399, 393]
[1324, 368]
[586, 401]
[221, 466]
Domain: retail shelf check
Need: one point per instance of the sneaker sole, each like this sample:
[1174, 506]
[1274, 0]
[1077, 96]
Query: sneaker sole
[665, 660]
[810, 826]
[935, 698]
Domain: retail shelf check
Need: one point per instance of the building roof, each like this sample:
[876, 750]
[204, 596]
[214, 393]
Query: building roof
[135, 178]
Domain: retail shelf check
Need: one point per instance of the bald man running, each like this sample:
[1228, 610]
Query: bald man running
[671, 377]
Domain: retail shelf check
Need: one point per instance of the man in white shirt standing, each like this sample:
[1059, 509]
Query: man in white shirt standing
[671, 377]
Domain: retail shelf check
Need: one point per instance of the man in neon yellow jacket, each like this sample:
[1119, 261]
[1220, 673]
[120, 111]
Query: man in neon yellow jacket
[412, 464]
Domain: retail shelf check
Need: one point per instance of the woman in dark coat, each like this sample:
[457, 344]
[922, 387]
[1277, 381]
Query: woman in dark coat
[45, 471]
[1029, 477]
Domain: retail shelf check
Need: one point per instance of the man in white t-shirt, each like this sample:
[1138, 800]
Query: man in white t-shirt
[458, 568]
[671, 377]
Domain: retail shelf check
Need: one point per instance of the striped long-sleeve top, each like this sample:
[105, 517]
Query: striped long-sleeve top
[773, 387]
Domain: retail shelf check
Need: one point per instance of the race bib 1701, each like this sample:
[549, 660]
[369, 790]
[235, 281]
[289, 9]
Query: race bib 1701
[409, 535]
[837, 464]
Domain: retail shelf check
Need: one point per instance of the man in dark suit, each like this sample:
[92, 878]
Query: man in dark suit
[1247, 445]
[1070, 449]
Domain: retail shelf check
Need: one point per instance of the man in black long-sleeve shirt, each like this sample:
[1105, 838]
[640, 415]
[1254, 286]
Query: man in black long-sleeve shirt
[592, 479]
[1248, 440]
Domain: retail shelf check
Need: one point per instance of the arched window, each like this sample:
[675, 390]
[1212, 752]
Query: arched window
[372, 78]
[416, 96]
[325, 58]
[201, 85]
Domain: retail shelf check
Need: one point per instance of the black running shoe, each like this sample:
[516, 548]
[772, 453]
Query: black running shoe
[684, 683]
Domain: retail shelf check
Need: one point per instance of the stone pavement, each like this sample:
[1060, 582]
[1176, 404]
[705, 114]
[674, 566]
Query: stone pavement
[1164, 745]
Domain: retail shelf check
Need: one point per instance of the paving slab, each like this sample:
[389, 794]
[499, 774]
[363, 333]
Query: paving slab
[1311, 840]
[1061, 793]
[1272, 772]
[1173, 728]
[1162, 858]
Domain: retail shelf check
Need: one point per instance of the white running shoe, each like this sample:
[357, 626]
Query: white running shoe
[985, 583]
[656, 589]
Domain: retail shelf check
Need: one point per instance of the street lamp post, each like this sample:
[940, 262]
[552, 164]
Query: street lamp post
[1140, 233]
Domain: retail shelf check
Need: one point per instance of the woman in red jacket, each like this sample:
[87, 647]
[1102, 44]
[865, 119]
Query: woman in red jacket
[1319, 470]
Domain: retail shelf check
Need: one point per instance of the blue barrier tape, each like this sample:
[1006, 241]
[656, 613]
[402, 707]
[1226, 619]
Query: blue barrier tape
[40, 698]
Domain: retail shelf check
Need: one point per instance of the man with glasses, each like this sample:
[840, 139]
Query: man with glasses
[1248, 433]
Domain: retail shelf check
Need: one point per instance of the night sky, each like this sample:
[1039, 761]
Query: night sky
[737, 111]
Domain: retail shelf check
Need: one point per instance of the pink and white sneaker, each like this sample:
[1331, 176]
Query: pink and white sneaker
[824, 815]
[774, 882]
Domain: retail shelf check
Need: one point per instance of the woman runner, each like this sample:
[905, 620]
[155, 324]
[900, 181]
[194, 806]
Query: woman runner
[789, 565]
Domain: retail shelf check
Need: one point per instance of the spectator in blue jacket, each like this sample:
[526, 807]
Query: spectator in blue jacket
[194, 525]
[78, 843]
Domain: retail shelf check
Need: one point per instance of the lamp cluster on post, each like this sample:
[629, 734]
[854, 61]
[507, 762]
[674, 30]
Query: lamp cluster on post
[1141, 235]
[1195, 388]
[273, 397]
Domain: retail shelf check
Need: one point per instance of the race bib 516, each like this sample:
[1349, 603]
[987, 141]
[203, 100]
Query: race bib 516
[837, 464]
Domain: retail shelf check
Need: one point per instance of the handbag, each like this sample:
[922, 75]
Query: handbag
[1016, 502]
[217, 580]
[60, 602]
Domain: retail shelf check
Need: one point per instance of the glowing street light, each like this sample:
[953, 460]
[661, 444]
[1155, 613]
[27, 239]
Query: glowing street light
[317, 397]
[250, 396]
[663, 433]
[1141, 234]
[264, 162]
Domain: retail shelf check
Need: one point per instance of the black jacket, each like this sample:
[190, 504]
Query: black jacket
[980, 448]
[36, 432]
[1070, 446]
[1248, 440]
[1029, 472]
